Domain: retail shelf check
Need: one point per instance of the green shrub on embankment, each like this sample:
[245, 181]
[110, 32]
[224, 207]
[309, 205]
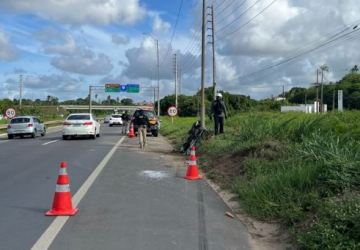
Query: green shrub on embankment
[300, 169]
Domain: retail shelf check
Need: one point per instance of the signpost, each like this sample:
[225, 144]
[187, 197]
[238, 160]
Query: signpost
[172, 111]
[112, 87]
[133, 88]
[115, 87]
[10, 113]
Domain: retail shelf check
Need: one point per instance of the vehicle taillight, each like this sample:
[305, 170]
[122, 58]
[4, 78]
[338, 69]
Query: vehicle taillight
[8, 126]
[87, 123]
[66, 123]
[30, 125]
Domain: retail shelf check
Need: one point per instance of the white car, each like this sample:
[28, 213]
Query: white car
[107, 119]
[25, 125]
[81, 124]
[115, 120]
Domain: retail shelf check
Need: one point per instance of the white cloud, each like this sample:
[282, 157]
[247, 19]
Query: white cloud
[120, 40]
[142, 61]
[8, 52]
[84, 61]
[81, 11]
[160, 26]
[39, 86]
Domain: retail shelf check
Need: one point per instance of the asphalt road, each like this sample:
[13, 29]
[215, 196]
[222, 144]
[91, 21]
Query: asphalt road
[137, 200]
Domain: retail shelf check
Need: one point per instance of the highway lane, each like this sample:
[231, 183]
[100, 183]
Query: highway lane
[28, 172]
[139, 200]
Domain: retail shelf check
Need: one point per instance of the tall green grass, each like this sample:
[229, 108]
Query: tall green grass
[300, 169]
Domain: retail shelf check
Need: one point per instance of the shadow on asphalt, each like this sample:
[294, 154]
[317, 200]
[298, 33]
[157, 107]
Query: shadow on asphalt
[32, 209]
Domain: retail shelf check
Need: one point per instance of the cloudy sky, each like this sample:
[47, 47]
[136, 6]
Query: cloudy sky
[63, 46]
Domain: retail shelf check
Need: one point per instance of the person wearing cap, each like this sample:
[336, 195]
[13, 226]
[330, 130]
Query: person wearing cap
[219, 112]
[126, 122]
[141, 121]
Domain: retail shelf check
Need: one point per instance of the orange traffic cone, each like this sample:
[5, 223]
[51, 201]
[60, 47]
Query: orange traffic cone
[131, 131]
[62, 204]
[192, 172]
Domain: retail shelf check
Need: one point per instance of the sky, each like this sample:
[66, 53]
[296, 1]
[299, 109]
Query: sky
[60, 47]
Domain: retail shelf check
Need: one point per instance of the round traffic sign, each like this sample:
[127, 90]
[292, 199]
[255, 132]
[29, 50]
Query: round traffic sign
[10, 113]
[172, 111]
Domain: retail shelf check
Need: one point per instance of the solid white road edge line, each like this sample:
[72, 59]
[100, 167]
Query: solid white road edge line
[46, 143]
[52, 231]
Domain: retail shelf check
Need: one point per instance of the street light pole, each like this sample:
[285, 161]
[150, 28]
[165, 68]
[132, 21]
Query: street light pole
[202, 113]
[158, 77]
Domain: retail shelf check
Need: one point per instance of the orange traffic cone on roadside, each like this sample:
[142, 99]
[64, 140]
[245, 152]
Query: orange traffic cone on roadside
[62, 204]
[131, 131]
[192, 172]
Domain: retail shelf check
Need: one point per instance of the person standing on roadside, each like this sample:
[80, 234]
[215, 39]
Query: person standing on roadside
[126, 122]
[141, 122]
[219, 112]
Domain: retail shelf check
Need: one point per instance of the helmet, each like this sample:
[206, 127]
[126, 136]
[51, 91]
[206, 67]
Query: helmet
[219, 95]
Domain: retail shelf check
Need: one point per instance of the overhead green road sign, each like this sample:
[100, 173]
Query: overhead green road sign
[112, 87]
[133, 88]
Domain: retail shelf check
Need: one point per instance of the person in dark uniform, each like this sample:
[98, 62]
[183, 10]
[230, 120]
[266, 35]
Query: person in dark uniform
[219, 112]
[126, 122]
[141, 121]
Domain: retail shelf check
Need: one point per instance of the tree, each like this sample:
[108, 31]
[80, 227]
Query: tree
[127, 101]
[354, 69]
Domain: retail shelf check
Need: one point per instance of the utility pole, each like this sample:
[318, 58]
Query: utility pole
[213, 48]
[203, 31]
[176, 76]
[20, 91]
[90, 107]
[283, 92]
[322, 92]
[317, 91]
[180, 80]
[158, 77]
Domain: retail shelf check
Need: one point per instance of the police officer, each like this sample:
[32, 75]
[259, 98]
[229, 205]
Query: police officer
[126, 122]
[218, 110]
[141, 121]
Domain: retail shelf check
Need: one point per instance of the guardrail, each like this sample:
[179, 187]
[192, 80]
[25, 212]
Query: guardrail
[46, 123]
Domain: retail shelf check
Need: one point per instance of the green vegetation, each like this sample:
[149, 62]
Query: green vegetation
[299, 169]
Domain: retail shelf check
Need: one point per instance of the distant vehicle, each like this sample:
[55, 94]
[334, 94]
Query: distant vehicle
[153, 125]
[81, 124]
[107, 119]
[115, 119]
[25, 125]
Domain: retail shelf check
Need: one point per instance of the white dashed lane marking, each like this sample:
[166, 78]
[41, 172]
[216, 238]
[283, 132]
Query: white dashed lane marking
[46, 143]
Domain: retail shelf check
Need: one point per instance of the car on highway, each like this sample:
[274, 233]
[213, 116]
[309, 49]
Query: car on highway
[107, 119]
[25, 125]
[153, 125]
[115, 119]
[79, 125]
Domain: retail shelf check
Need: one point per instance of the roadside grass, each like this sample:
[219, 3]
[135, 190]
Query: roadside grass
[299, 169]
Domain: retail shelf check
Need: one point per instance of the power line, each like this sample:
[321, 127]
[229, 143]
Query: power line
[238, 18]
[287, 60]
[231, 13]
[174, 30]
[250, 20]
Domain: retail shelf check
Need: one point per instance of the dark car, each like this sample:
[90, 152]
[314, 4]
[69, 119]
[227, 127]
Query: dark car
[153, 125]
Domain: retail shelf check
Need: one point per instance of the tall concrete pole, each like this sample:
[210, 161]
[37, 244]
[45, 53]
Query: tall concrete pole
[90, 106]
[20, 91]
[158, 77]
[213, 51]
[202, 113]
[322, 92]
[176, 76]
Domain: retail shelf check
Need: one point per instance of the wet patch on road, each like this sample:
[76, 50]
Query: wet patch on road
[151, 174]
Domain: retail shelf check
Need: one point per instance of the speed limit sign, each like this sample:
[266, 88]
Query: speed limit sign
[172, 111]
[10, 113]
